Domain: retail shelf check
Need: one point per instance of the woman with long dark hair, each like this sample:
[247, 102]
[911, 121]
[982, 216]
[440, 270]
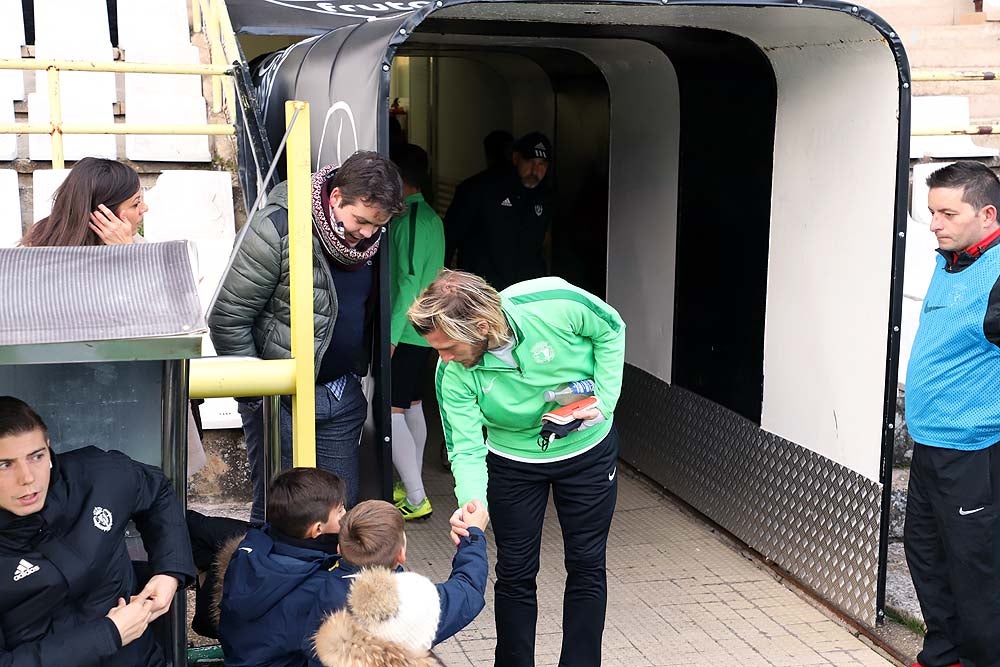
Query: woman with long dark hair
[99, 203]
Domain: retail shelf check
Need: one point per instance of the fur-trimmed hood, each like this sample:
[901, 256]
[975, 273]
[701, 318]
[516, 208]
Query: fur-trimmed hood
[390, 621]
[222, 558]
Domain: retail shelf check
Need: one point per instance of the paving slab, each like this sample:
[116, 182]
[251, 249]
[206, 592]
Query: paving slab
[679, 592]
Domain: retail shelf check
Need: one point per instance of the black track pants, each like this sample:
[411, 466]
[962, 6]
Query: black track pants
[952, 546]
[584, 489]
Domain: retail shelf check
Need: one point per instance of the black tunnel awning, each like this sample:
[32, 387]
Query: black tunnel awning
[308, 17]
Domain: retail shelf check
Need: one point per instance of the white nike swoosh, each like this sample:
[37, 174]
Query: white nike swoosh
[966, 513]
[614, 472]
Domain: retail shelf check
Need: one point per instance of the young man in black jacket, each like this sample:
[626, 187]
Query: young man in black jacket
[68, 592]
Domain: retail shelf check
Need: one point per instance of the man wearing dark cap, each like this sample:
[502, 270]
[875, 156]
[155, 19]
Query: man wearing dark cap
[500, 224]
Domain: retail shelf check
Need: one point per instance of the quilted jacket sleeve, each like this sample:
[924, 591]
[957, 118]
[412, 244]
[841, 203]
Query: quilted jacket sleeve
[247, 287]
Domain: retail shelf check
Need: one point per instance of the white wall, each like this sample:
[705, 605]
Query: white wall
[832, 224]
[831, 240]
[473, 100]
[642, 222]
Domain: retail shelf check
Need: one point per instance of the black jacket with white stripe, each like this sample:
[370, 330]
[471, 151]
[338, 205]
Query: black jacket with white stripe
[56, 591]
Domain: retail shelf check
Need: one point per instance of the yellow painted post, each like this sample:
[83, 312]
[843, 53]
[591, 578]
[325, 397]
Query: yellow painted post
[230, 54]
[300, 261]
[195, 15]
[55, 119]
[215, 49]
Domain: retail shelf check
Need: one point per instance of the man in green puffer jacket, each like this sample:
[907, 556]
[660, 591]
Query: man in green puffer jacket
[251, 316]
[499, 354]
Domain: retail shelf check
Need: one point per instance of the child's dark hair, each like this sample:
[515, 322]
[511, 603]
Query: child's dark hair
[371, 534]
[17, 417]
[300, 497]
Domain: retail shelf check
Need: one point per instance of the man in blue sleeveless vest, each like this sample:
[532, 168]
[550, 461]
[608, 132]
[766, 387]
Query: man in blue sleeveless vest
[951, 537]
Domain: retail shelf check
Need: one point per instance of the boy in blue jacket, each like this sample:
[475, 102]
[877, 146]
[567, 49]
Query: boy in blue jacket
[285, 578]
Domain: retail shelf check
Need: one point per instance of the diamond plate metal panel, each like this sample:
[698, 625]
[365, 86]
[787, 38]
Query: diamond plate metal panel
[811, 516]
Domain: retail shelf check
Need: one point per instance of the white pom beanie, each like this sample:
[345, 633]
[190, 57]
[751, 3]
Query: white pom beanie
[400, 607]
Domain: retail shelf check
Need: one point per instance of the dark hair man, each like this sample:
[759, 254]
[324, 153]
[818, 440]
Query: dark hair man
[251, 317]
[70, 594]
[953, 414]
[499, 222]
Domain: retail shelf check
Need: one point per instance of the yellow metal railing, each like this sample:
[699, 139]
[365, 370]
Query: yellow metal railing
[222, 377]
[219, 376]
[937, 75]
[56, 128]
[212, 18]
[952, 75]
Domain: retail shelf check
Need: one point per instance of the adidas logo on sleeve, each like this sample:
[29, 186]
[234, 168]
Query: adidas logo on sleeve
[24, 569]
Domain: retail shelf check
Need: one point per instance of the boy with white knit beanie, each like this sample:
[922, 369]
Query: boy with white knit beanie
[393, 618]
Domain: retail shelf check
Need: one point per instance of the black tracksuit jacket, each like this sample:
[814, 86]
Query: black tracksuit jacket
[498, 227]
[55, 594]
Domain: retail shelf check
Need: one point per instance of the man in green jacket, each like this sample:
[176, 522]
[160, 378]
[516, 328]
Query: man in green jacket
[499, 354]
[251, 317]
[417, 240]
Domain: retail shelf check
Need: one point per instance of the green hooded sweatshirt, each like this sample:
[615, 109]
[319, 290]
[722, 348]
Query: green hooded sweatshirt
[562, 334]
[417, 238]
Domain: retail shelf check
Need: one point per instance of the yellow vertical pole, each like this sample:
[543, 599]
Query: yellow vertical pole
[230, 54]
[300, 262]
[55, 119]
[215, 49]
[195, 15]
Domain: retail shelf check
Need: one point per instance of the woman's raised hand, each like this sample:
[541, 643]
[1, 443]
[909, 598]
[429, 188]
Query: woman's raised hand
[109, 228]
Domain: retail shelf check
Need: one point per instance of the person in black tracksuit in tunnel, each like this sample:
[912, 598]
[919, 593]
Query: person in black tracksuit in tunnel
[499, 224]
[68, 592]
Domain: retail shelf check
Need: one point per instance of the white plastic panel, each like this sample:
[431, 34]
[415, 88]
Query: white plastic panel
[162, 109]
[75, 146]
[943, 111]
[196, 206]
[11, 39]
[76, 30]
[10, 209]
[8, 142]
[11, 23]
[179, 85]
[136, 16]
[44, 183]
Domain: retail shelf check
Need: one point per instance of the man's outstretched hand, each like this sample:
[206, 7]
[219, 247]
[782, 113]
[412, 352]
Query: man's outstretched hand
[472, 514]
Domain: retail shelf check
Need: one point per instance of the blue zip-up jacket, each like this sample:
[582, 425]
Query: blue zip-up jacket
[276, 595]
[951, 397]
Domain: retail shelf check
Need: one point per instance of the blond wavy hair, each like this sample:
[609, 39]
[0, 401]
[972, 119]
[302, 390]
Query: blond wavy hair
[454, 304]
